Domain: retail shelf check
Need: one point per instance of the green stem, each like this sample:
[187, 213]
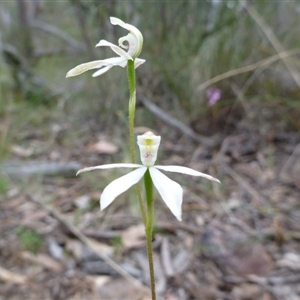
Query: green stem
[149, 198]
[131, 109]
[149, 228]
[148, 219]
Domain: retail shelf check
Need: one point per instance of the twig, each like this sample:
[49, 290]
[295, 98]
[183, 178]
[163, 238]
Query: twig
[56, 32]
[239, 179]
[291, 160]
[24, 23]
[82, 20]
[273, 39]
[294, 278]
[40, 168]
[90, 243]
[166, 258]
[245, 69]
[12, 277]
[167, 118]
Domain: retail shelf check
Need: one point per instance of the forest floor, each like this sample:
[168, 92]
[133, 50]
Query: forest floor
[237, 240]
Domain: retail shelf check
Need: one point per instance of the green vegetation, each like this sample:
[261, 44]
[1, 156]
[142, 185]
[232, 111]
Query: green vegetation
[186, 45]
[3, 185]
[117, 244]
[190, 43]
[30, 239]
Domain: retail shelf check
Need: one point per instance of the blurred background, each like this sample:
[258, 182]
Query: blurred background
[221, 85]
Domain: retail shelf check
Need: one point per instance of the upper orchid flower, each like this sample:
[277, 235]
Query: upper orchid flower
[170, 191]
[134, 44]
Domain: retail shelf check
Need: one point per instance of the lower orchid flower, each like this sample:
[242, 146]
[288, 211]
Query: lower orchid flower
[170, 191]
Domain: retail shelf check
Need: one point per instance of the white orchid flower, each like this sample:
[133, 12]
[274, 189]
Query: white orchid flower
[134, 44]
[170, 191]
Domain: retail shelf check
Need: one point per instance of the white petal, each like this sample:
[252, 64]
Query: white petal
[113, 61]
[131, 28]
[138, 62]
[115, 48]
[85, 67]
[170, 191]
[102, 71]
[109, 166]
[188, 171]
[120, 185]
[116, 21]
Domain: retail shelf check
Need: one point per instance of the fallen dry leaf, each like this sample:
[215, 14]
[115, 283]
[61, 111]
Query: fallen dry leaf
[103, 147]
[133, 237]
[80, 251]
[120, 288]
[12, 277]
[21, 151]
[234, 251]
[44, 260]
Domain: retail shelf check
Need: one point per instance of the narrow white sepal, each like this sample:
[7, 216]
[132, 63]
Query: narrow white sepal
[170, 191]
[138, 62]
[109, 166]
[102, 71]
[135, 48]
[84, 67]
[120, 185]
[116, 21]
[187, 171]
[113, 61]
[129, 27]
[118, 50]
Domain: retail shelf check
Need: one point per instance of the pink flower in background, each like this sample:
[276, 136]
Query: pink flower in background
[214, 95]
